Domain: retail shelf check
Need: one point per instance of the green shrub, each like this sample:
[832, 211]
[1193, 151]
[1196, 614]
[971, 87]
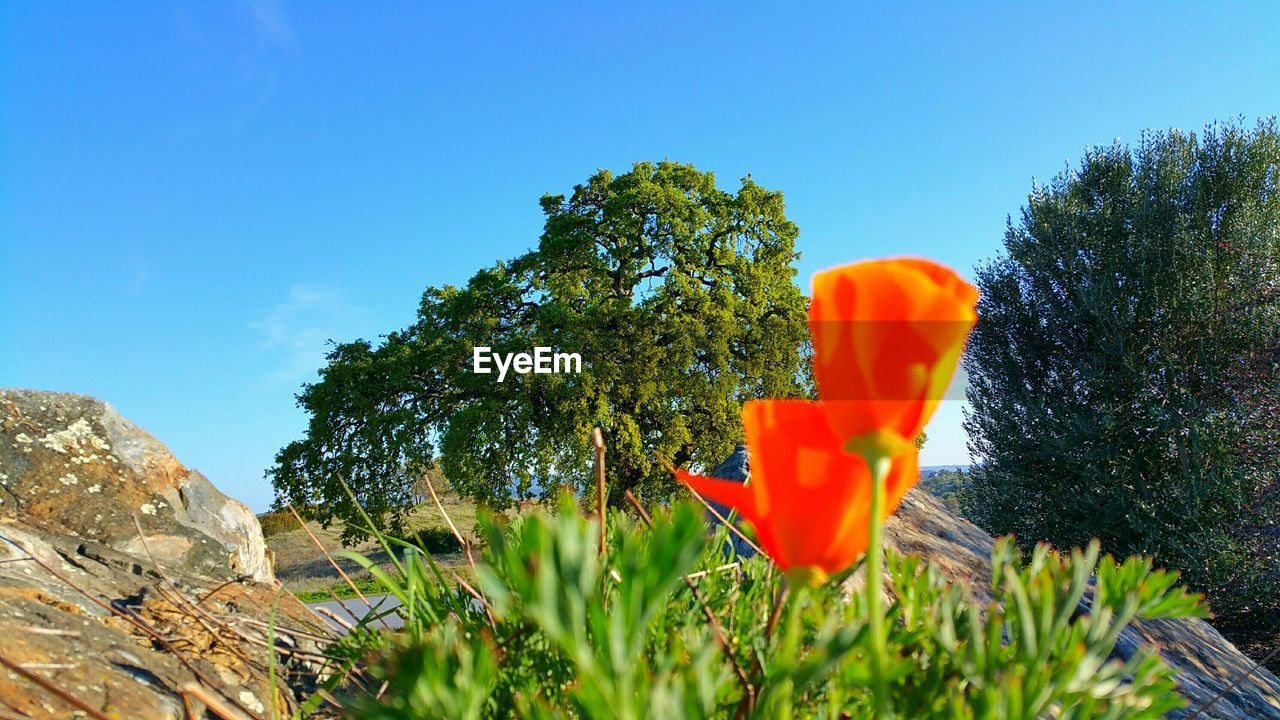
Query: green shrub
[1123, 379]
[566, 632]
[434, 540]
[277, 521]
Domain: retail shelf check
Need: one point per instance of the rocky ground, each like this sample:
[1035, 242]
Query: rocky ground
[129, 586]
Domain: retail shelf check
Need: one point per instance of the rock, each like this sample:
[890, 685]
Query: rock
[123, 620]
[74, 463]
[1206, 663]
[736, 467]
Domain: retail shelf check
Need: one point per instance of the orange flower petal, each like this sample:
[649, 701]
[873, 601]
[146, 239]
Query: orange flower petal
[808, 499]
[887, 336]
[725, 492]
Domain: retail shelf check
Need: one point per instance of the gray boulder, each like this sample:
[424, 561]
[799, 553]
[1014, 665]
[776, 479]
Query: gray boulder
[73, 463]
[128, 623]
[736, 467]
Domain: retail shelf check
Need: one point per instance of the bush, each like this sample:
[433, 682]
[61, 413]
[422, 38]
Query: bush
[563, 631]
[277, 521]
[1124, 376]
[435, 540]
[949, 487]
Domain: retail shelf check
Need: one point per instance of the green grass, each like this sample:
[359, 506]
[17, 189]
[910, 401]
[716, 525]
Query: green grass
[366, 585]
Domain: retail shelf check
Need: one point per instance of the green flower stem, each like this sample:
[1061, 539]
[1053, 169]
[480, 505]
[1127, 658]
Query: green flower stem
[879, 465]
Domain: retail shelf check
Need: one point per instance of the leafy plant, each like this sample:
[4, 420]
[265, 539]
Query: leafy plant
[646, 622]
[565, 631]
[277, 521]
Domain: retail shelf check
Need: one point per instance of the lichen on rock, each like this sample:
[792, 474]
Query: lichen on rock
[119, 618]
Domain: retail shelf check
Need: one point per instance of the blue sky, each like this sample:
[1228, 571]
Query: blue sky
[194, 196]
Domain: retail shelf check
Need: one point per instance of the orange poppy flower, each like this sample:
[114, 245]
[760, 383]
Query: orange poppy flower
[808, 499]
[887, 335]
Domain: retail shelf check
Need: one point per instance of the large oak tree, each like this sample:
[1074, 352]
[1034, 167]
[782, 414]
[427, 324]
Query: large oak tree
[680, 299]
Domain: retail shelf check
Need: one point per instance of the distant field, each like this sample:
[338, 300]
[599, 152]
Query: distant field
[307, 573]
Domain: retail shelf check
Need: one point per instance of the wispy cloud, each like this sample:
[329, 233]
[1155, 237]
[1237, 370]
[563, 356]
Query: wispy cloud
[270, 23]
[297, 330]
[240, 46]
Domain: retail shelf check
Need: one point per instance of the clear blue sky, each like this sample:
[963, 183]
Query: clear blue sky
[195, 195]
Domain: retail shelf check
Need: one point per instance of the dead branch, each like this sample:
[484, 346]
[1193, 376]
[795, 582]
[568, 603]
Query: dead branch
[54, 690]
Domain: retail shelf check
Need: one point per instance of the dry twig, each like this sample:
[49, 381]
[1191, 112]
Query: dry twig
[337, 567]
[724, 521]
[334, 617]
[132, 618]
[213, 702]
[1235, 681]
[54, 690]
[704, 573]
[466, 546]
[597, 439]
[212, 592]
[176, 598]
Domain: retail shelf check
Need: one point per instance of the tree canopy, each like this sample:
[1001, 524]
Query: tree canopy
[678, 296]
[1125, 369]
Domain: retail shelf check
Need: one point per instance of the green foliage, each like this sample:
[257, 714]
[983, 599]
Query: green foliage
[445, 675]
[949, 487]
[277, 521]
[568, 633]
[1125, 374]
[434, 540]
[678, 295]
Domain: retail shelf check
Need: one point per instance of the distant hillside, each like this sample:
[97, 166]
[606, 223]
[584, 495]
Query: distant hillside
[947, 483]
